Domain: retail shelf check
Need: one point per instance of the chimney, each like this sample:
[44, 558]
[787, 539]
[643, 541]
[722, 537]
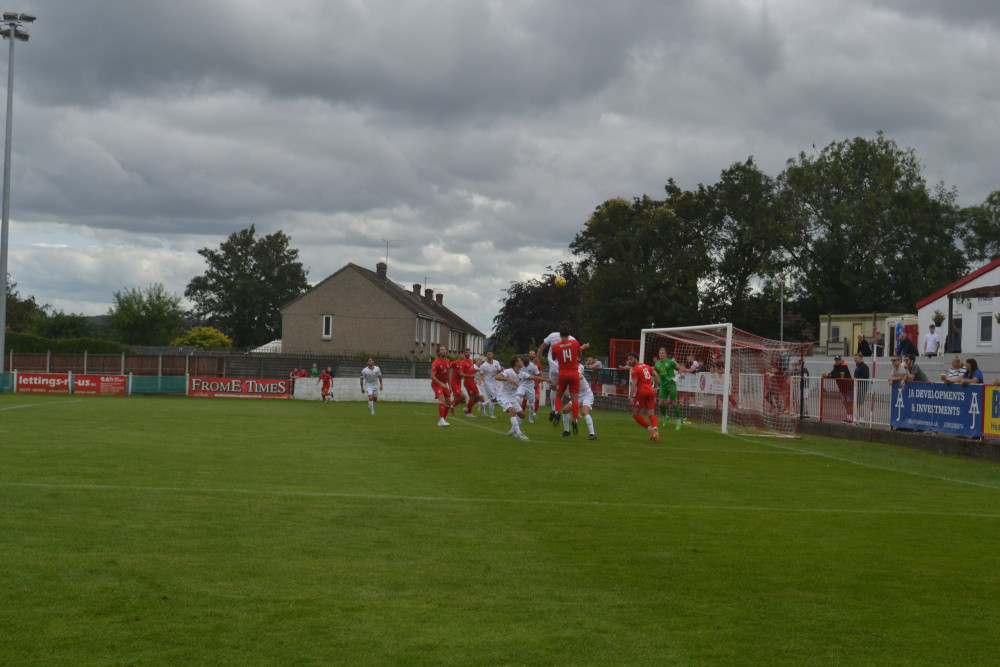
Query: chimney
[429, 294]
[416, 288]
[380, 269]
[440, 298]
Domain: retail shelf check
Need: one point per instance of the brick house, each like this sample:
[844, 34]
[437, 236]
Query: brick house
[357, 310]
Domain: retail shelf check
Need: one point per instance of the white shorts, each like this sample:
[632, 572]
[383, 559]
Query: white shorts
[587, 398]
[507, 402]
[490, 390]
[371, 391]
[553, 373]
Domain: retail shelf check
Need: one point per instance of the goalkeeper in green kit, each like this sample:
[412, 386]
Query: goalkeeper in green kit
[665, 368]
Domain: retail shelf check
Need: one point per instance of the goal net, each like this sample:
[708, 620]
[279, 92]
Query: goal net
[745, 383]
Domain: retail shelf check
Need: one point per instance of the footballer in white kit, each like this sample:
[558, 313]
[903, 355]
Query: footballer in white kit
[371, 382]
[489, 369]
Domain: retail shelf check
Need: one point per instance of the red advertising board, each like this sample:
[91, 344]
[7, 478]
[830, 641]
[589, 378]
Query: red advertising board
[100, 385]
[237, 387]
[42, 383]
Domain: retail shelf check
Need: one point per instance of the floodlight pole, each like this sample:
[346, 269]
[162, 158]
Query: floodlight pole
[13, 31]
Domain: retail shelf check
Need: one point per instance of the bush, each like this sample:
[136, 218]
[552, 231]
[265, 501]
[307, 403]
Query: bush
[32, 344]
[204, 338]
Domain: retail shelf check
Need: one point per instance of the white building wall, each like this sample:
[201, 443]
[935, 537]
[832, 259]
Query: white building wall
[970, 310]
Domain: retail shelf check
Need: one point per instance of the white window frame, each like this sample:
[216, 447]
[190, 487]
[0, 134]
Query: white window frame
[988, 319]
[327, 330]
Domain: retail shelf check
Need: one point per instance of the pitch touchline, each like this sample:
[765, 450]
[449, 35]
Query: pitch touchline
[497, 501]
[35, 405]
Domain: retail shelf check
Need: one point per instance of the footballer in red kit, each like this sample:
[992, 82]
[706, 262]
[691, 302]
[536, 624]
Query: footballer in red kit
[467, 371]
[324, 390]
[440, 380]
[567, 353]
[642, 396]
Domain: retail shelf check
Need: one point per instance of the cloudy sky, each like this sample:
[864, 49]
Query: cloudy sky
[475, 136]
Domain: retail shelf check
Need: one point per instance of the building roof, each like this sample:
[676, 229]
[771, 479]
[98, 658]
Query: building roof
[424, 306]
[944, 291]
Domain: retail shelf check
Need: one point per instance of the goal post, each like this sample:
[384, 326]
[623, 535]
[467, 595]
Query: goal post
[746, 383]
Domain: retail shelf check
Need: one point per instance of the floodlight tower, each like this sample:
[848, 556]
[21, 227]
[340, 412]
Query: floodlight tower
[11, 28]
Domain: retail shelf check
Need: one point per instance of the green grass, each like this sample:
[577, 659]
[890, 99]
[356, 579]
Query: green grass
[145, 531]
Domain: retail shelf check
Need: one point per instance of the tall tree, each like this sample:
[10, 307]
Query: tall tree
[641, 263]
[247, 281]
[21, 313]
[534, 308]
[65, 325]
[748, 230]
[866, 234]
[149, 316]
[981, 232]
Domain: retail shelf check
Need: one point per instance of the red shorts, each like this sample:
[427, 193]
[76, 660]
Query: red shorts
[569, 383]
[471, 387]
[440, 391]
[456, 389]
[645, 398]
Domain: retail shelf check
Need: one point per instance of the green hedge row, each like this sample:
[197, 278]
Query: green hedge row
[30, 343]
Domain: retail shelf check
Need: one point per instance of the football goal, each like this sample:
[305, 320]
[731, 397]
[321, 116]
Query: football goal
[745, 383]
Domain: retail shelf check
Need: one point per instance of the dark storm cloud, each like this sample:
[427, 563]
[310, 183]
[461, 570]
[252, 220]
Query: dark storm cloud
[477, 136]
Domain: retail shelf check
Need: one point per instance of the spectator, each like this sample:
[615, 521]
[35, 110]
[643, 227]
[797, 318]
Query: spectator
[898, 373]
[879, 345]
[845, 383]
[932, 342]
[955, 373]
[954, 339]
[693, 365]
[905, 346]
[972, 373]
[864, 347]
[913, 370]
[861, 372]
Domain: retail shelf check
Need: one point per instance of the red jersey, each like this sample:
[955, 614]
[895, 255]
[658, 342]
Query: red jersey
[325, 378]
[456, 377]
[566, 353]
[468, 367]
[441, 370]
[642, 376]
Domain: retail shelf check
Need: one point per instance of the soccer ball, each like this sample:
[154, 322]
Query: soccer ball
[560, 281]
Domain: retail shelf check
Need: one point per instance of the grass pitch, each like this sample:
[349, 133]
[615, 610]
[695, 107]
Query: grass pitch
[198, 531]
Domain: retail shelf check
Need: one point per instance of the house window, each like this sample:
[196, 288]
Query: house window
[327, 327]
[834, 333]
[986, 328]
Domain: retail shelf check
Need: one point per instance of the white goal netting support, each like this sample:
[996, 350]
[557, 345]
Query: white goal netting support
[745, 383]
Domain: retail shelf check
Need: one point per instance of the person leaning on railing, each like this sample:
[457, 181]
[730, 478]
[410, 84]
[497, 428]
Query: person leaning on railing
[913, 371]
[972, 373]
[955, 373]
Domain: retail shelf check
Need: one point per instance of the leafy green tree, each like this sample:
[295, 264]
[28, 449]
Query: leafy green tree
[641, 264]
[147, 316]
[21, 313]
[204, 338]
[247, 281]
[981, 229]
[65, 325]
[865, 232]
[534, 308]
[748, 229]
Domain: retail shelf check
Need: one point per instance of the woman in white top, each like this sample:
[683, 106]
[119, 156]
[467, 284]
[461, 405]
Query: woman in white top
[956, 372]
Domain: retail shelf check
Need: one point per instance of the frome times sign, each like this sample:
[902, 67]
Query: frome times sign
[42, 383]
[942, 408]
[237, 388]
[100, 385]
[991, 414]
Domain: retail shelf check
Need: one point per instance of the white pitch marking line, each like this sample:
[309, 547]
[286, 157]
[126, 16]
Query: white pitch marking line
[35, 405]
[508, 501]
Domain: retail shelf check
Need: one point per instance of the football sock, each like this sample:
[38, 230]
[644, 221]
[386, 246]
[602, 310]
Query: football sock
[590, 423]
[642, 420]
[677, 411]
[576, 409]
[652, 419]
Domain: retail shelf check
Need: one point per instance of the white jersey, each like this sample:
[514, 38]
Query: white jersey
[508, 391]
[370, 377]
[489, 369]
[586, 395]
[527, 385]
